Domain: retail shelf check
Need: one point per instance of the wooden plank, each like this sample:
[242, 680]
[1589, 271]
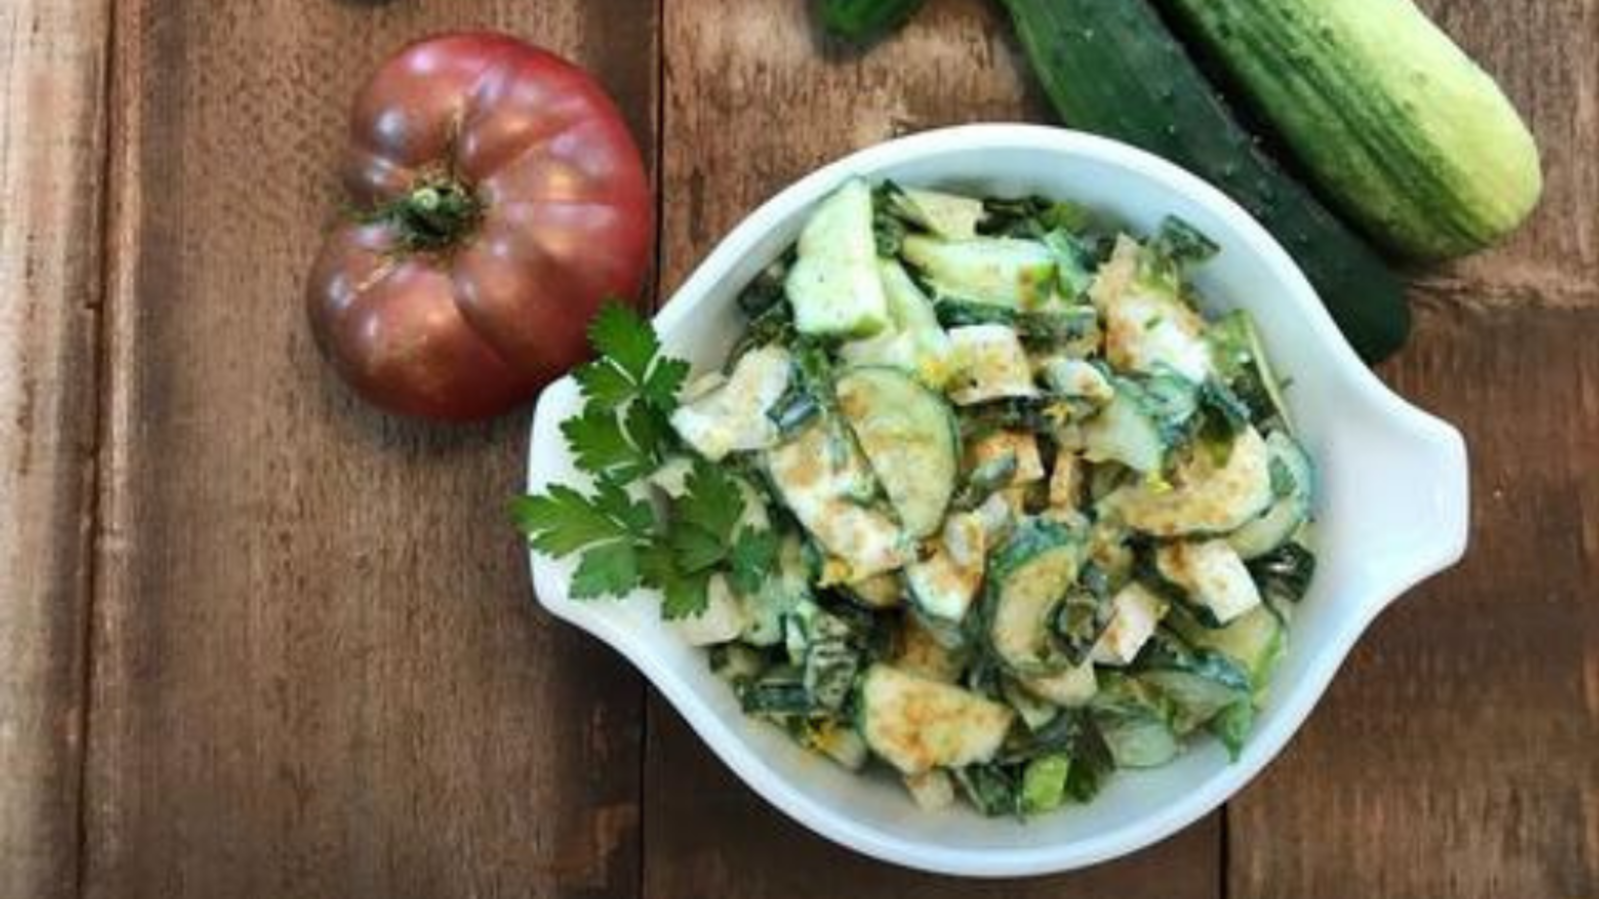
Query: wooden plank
[318, 669]
[52, 77]
[1456, 753]
[753, 102]
[755, 99]
[1546, 55]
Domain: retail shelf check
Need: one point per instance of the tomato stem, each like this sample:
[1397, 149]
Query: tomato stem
[435, 215]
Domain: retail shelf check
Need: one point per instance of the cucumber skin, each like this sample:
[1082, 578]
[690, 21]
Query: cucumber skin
[1112, 67]
[860, 21]
[898, 378]
[1400, 129]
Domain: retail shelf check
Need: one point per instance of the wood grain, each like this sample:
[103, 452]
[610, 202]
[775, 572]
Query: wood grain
[52, 81]
[1458, 752]
[752, 102]
[318, 670]
[755, 98]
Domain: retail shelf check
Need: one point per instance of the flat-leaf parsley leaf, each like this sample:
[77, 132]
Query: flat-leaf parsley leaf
[623, 434]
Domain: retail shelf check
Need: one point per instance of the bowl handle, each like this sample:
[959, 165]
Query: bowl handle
[1423, 481]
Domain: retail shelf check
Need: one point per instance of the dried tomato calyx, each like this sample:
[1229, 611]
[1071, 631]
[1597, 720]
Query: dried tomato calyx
[435, 215]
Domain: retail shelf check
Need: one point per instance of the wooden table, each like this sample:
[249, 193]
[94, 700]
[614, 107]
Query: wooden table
[258, 640]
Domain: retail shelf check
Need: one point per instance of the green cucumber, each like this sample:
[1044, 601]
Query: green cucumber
[834, 285]
[916, 724]
[1044, 783]
[944, 583]
[816, 476]
[1127, 431]
[998, 271]
[950, 216]
[910, 438]
[1134, 720]
[1241, 362]
[860, 21]
[917, 651]
[1071, 688]
[1212, 576]
[990, 364]
[1256, 640]
[1112, 67]
[1292, 507]
[1207, 496]
[914, 342]
[1400, 129]
[1029, 580]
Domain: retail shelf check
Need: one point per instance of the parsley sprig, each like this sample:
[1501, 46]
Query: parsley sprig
[631, 390]
[624, 541]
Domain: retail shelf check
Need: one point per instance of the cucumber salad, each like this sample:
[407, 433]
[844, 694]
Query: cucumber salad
[981, 498]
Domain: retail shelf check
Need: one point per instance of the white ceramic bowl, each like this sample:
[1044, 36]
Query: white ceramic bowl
[1392, 506]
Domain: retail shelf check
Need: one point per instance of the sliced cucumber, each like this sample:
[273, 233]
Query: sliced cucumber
[1256, 641]
[1292, 507]
[918, 651]
[989, 363]
[910, 438]
[1134, 721]
[916, 724]
[815, 474]
[1034, 712]
[1077, 379]
[1020, 446]
[914, 343]
[1147, 326]
[944, 584]
[1136, 612]
[999, 271]
[949, 216]
[833, 739]
[732, 417]
[736, 663]
[1044, 784]
[1241, 361]
[996, 517]
[834, 284]
[1206, 496]
[845, 746]
[1195, 698]
[932, 790]
[1126, 431]
[1031, 576]
[1212, 575]
[1071, 688]
[722, 619]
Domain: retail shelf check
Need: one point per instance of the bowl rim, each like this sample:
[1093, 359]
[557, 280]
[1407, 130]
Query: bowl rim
[1439, 438]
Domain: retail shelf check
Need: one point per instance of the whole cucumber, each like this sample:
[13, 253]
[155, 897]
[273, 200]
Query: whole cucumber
[1395, 123]
[1113, 68]
[860, 21]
